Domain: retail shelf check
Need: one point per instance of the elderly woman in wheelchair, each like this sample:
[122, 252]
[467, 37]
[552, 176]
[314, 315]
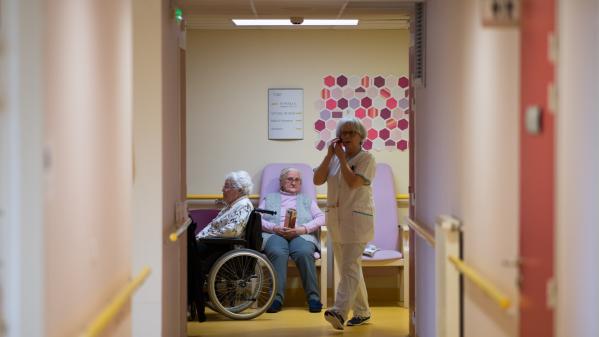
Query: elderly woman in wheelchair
[240, 281]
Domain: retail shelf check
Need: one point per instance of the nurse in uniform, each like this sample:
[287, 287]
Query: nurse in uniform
[348, 171]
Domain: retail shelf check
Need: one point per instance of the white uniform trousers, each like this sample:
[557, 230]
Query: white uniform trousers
[351, 293]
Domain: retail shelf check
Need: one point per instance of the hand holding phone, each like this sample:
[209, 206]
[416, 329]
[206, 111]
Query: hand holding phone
[339, 149]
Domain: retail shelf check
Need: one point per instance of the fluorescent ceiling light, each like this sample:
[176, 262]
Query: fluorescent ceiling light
[287, 22]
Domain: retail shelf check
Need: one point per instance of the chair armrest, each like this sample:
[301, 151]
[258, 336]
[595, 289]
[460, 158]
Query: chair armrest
[223, 241]
[405, 240]
[323, 237]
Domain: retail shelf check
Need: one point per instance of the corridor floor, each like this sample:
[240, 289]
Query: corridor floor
[298, 322]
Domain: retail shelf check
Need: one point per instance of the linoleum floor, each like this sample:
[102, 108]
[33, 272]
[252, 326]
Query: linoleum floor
[298, 322]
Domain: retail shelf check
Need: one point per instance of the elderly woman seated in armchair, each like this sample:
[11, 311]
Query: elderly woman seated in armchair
[229, 223]
[300, 243]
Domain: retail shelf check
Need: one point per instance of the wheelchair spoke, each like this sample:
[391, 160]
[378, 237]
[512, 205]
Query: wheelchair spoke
[242, 286]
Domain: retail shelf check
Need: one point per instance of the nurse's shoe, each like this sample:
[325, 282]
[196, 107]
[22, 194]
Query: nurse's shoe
[335, 319]
[357, 320]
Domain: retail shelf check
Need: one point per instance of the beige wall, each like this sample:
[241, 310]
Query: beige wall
[229, 73]
[467, 158]
[174, 305]
[157, 307]
[87, 139]
[489, 171]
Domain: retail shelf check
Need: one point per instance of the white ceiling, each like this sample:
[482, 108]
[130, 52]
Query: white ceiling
[373, 14]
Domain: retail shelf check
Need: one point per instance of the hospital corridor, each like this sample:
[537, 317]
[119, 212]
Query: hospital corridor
[216, 168]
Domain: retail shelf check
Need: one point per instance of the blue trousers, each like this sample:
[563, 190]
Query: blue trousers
[278, 250]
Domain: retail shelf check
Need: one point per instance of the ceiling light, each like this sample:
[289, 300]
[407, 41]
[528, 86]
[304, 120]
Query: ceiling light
[287, 22]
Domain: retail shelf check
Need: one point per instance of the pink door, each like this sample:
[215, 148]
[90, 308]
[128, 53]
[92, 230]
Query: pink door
[537, 170]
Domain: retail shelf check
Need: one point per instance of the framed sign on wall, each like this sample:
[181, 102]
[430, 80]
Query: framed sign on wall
[285, 113]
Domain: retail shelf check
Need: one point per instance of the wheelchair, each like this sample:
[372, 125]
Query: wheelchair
[241, 283]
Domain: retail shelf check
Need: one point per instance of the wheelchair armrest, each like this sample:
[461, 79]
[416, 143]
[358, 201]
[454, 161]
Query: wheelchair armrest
[223, 241]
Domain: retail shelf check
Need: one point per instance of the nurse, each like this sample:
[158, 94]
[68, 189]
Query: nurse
[349, 171]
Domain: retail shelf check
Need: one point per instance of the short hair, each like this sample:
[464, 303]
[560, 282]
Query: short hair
[240, 180]
[286, 171]
[355, 124]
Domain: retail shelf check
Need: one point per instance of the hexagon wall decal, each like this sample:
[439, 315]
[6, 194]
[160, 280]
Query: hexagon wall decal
[341, 81]
[342, 103]
[319, 125]
[365, 81]
[385, 93]
[402, 124]
[403, 82]
[331, 104]
[380, 102]
[329, 81]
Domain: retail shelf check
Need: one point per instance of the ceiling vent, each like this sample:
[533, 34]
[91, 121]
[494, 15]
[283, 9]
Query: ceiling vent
[419, 40]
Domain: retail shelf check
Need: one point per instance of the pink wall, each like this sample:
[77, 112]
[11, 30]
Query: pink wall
[537, 171]
[88, 156]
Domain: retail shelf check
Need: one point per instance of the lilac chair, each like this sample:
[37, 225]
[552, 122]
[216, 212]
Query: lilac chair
[202, 217]
[389, 235]
[270, 183]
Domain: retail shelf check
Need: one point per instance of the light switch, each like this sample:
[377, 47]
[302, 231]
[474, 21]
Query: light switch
[533, 119]
[498, 13]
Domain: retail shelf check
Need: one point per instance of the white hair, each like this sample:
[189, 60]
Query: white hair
[355, 124]
[241, 180]
[286, 171]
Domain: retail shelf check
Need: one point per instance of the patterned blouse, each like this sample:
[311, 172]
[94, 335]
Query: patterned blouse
[230, 221]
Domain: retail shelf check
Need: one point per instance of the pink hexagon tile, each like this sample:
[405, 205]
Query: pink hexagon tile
[329, 81]
[380, 102]
[319, 125]
[331, 124]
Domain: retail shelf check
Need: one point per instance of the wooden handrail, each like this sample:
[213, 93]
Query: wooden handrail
[112, 309]
[485, 285]
[176, 234]
[398, 197]
[422, 231]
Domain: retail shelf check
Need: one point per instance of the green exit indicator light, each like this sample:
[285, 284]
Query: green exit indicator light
[178, 14]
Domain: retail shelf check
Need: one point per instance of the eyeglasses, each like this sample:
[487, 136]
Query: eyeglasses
[348, 133]
[228, 187]
[293, 180]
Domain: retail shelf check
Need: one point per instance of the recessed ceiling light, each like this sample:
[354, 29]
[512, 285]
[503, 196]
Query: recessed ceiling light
[287, 22]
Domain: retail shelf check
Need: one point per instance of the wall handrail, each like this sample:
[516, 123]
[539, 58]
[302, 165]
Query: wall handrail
[176, 234]
[485, 285]
[426, 234]
[398, 197]
[112, 309]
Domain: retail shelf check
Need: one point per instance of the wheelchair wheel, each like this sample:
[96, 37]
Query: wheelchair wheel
[241, 284]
